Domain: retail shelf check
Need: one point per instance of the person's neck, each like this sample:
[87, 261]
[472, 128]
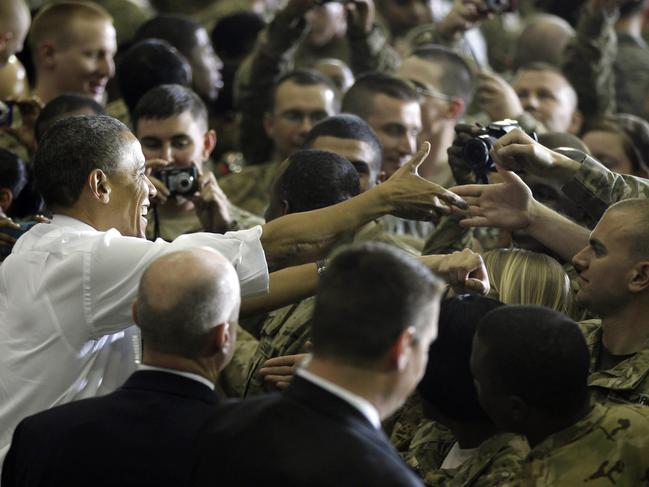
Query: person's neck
[45, 90]
[625, 331]
[204, 368]
[631, 25]
[547, 426]
[472, 434]
[175, 206]
[437, 159]
[78, 212]
[368, 384]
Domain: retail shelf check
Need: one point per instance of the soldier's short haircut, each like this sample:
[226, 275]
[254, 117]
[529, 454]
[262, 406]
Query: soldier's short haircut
[70, 150]
[177, 30]
[456, 79]
[348, 126]
[359, 99]
[52, 21]
[301, 77]
[368, 295]
[639, 245]
[148, 64]
[537, 354]
[447, 383]
[166, 101]
[62, 106]
[316, 179]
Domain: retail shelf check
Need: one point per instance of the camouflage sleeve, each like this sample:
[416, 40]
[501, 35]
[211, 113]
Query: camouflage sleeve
[594, 188]
[272, 55]
[232, 379]
[448, 237]
[427, 450]
[372, 52]
[588, 62]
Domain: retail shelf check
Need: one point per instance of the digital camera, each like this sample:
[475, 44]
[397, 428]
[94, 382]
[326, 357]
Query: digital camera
[477, 151]
[179, 180]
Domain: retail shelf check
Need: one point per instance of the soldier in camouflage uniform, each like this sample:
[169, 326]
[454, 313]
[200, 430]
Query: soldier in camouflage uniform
[538, 359]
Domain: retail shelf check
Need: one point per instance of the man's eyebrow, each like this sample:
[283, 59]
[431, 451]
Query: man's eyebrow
[597, 244]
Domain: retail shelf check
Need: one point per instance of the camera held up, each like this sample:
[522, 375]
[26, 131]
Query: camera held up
[181, 181]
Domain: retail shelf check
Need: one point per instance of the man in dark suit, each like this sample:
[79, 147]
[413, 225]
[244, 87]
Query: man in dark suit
[374, 319]
[141, 434]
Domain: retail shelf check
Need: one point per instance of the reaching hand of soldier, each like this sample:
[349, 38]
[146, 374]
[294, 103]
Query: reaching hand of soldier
[414, 197]
[463, 270]
[212, 206]
[360, 17]
[278, 372]
[508, 205]
[6, 222]
[462, 173]
[464, 16]
[496, 97]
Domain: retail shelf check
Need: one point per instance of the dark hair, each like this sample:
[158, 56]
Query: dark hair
[316, 179]
[632, 7]
[234, 36]
[166, 101]
[177, 30]
[148, 64]
[456, 79]
[539, 355]
[347, 126]
[448, 384]
[13, 172]
[70, 150]
[301, 77]
[368, 295]
[62, 106]
[359, 100]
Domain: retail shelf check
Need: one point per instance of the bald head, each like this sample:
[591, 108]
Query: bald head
[14, 25]
[543, 41]
[182, 297]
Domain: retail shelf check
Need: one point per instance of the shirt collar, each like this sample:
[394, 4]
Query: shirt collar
[68, 221]
[363, 405]
[188, 375]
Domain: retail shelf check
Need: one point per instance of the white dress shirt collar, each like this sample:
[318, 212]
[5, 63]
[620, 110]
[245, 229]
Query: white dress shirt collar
[363, 405]
[68, 221]
[187, 375]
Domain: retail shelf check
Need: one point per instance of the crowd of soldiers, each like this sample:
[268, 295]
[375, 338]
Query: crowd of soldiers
[433, 212]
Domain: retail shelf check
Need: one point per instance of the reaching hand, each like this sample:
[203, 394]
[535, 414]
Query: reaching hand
[496, 97]
[360, 17]
[517, 151]
[464, 271]
[464, 16]
[295, 9]
[412, 196]
[462, 173]
[278, 372]
[508, 205]
[162, 191]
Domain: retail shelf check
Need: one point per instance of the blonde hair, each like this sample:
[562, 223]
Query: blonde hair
[52, 21]
[522, 277]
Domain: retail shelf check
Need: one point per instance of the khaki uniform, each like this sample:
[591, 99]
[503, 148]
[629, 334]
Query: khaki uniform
[118, 109]
[429, 445]
[250, 189]
[497, 461]
[404, 423]
[594, 188]
[230, 383]
[609, 447]
[627, 382]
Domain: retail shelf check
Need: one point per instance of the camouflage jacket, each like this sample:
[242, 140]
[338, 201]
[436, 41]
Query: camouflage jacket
[627, 382]
[250, 188]
[609, 447]
[230, 379]
[429, 445]
[497, 461]
[594, 188]
[274, 54]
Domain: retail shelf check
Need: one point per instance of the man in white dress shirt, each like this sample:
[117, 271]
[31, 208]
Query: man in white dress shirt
[67, 287]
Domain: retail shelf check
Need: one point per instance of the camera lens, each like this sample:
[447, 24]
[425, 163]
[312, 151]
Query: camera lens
[476, 153]
[185, 182]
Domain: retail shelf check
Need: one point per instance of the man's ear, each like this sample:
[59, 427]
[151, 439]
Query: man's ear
[401, 348]
[209, 142]
[455, 109]
[46, 55]
[6, 197]
[640, 277]
[576, 122]
[269, 121]
[99, 186]
[4, 39]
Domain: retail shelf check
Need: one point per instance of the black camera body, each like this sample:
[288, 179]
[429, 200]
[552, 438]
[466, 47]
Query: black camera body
[477, 151]
[180, 181]
[501, 6]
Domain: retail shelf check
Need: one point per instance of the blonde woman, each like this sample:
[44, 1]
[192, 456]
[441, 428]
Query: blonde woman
[523, 277]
